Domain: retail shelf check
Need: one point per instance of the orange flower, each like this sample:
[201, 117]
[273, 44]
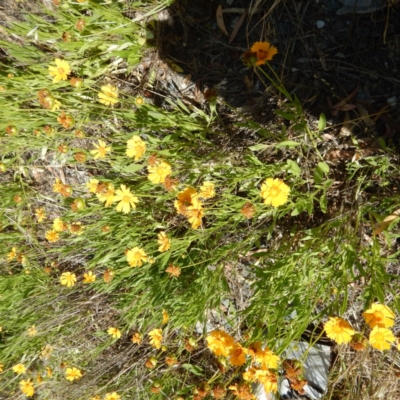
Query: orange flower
[264, 50]
[173, 271]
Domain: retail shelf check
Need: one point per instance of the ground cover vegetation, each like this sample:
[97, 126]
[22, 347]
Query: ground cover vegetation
[143, 256]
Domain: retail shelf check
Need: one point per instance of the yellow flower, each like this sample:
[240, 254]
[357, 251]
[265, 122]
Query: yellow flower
[89, 277]
[136, 338]
[73, 374]
[379, 315]
[243, 391]
[381, 338]
[60, 71]
[159, 172]
[112, 396]
[264, 50]
[52, 236]
[220, 343]
[27, 388]
[19, 369]
[92, 185]
[108, 95]
[237, 355]
[100, 150]
[165, 316]
[126, 200]
[163, 242]
[68, 279]
[76, 228]
[31, 331]
[155, 338]
[195, 213]
[114, 332]
[136, 147]
[58, 186]
[12, 254]
[267, 358]
[274, 192]
[339, 330]
[207, 191]
[59, 225]
[40, 214]
[1, 368]
[268, 379]
[108, 197]
[184, 200]
[135, 257]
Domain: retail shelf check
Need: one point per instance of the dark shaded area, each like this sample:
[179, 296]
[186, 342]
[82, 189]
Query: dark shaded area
[323, 58]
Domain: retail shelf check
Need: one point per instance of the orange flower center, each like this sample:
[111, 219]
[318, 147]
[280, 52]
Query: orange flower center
[337, 328]
[378, 316]
[262, 54]
[380, 337]
[102, 150]
[126, 199]
[61, 70]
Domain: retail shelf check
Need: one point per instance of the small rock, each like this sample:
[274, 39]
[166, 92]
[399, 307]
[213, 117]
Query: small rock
[320, 24]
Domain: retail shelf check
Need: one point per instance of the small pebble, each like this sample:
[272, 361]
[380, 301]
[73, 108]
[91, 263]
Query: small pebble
[320, 24]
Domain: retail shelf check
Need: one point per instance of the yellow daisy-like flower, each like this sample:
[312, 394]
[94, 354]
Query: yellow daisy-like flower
[163, 241]
[108, 197]
[27, 388]
[135, 257]
[220, 343]
[58, 186]
[268, 379]
[114, 332]
[60, 71]
[195, 213]
[92, 185]
[73, 374]
[108, 95]
[12, 254]
[136, 338]
[68, 279]
[265, 51]
[76, 228]
[100, 150]
[59, 225]
[159, 172]
[89, 277]
[207, 191]
[31, 331]
[237, 355]
[40, 214]
[52, 236]
[379, 315]
[155, 338]
[136, 147]
[112, 396]
[339, 330]
[185, 199]
[267, 358]
[381, 338]
[165, 316]
[274, 192]
[19, 369]
[126, 200]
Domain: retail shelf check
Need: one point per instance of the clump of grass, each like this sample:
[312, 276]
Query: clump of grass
[122, 224]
